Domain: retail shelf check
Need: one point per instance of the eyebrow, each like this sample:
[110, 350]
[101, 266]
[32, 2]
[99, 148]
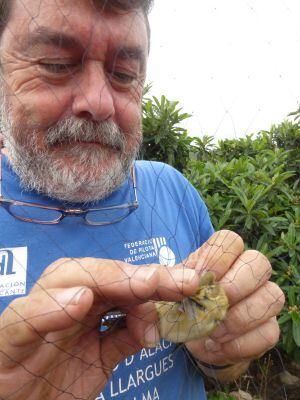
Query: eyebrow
[50, 37]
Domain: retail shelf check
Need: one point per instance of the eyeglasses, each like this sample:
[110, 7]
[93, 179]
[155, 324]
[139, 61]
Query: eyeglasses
[47, 215]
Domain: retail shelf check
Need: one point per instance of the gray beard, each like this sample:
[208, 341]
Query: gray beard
[90, 174]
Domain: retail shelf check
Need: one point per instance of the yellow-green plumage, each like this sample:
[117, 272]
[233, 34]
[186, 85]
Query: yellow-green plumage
[197, 316]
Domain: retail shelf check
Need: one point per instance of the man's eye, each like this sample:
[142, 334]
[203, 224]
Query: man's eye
[58, 68]
[123, 78]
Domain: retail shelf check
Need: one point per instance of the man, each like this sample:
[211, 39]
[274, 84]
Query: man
[72, 79]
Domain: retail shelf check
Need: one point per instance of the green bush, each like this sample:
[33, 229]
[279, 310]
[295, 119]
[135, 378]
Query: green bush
[250, 185]
[258, 197]
[164, 139]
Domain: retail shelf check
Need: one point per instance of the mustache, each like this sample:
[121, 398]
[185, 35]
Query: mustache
[72, 130]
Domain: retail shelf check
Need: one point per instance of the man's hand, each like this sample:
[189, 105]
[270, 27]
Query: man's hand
[50, 346]
[250, 327]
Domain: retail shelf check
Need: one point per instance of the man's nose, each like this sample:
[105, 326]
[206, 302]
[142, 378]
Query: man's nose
[93, 94]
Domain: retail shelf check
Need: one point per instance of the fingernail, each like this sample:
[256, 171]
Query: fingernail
[151, 338]
[185, 275]
[211, 345]
[70, 296]
[144, 274]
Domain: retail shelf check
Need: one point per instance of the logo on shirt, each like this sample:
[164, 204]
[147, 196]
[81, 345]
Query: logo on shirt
[142, 250]
[13, 271]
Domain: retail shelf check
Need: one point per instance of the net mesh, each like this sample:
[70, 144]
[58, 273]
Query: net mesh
[50, 347]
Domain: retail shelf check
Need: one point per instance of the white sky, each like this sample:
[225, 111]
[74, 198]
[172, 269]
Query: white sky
[233, 64]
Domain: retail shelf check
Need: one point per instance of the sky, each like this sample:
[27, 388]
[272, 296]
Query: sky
[233, 64]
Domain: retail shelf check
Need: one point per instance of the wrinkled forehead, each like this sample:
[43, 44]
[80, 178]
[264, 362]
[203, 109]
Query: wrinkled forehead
[84, 21]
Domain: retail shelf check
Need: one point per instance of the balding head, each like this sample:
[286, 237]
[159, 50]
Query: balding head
[126, 5]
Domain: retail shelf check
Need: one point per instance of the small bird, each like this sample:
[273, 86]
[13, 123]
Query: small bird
[196, 316]
[193, 318]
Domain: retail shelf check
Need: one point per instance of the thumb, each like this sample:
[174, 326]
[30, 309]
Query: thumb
[115, 347]
[28, 319]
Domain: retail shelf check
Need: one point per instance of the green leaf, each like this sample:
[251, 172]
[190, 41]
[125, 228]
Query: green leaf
[291, 296]
[224, 218]
[296, 331]
[284, 318]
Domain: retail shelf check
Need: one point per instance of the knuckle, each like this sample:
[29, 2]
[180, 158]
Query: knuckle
[236, 239]
[231, 238]
[237, 318]
[98, 276]
[13, 310]
[277, 294]
[275, 336]
[272, 333]
[56, 265]
[82, 264]
[10, 325]
[233, 348]
[254, 256]
[266, 263]
[108, 273]
[226, 232]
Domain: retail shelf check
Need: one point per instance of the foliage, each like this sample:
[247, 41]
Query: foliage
[258, 197]
[296, 114]
[251, 185]
[164, 139]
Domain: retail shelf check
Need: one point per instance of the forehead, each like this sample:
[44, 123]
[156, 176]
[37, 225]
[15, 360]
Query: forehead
[94, 27]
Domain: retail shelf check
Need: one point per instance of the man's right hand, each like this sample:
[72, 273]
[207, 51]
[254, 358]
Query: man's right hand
[50, 345]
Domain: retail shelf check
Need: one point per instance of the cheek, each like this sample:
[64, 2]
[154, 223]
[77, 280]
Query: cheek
[41, 108]
[128, 116]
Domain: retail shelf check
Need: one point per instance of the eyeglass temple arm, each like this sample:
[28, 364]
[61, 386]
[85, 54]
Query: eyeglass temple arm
[133, 181]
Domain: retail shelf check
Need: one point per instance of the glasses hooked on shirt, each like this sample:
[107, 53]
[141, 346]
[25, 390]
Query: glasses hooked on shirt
[48, 215]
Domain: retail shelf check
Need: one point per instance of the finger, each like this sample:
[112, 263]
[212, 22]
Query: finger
[115, 347]
[251, 312]
[250, 271]
[142, 323]
[248, 346]
[99, 357]
[118, 282]
[175, 284]
[217, 254]
[28, 319]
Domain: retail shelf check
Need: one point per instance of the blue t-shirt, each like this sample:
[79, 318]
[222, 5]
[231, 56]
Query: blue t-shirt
[171, 222]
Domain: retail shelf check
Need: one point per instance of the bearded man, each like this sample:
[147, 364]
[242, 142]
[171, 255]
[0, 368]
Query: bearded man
[85, 228]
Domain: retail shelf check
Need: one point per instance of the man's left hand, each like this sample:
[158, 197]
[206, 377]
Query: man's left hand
[250, 327]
